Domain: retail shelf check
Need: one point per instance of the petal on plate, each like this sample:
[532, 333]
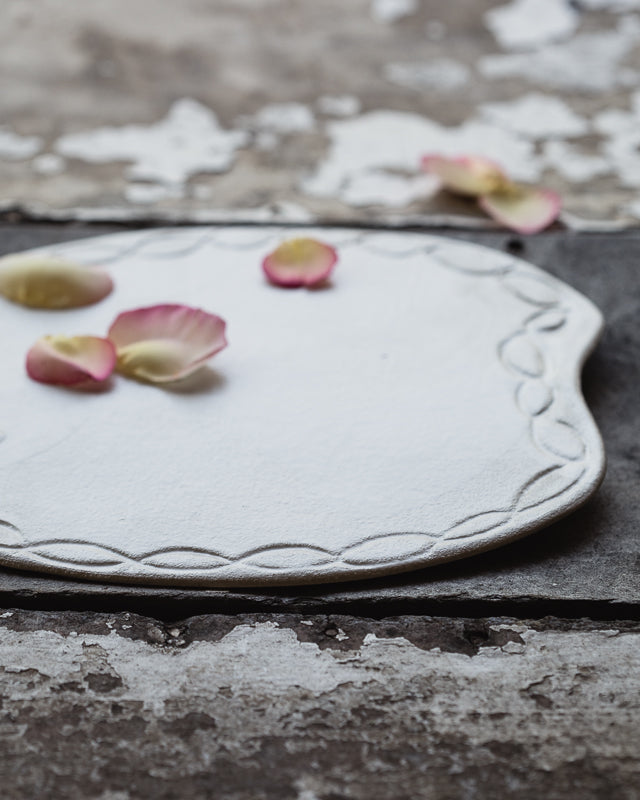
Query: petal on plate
[52, 283]
[70, 360]
[522, 208]
[164, 343]
[300, 262]
[468, 175]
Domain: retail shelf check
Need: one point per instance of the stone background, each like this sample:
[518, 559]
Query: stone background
[298, 110]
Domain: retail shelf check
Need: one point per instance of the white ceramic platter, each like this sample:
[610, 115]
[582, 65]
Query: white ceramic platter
[425, 407]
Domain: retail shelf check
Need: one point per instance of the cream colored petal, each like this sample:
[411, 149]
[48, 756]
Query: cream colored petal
[164, 343]
[300, 262]
[523, 209]
[70, 360]
[51, 283]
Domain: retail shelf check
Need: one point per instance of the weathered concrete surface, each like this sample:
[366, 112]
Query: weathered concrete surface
[591, 557]
[122, 707]
[548, 88]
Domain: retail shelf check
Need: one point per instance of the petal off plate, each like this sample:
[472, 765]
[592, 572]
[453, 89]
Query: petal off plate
[424, 407]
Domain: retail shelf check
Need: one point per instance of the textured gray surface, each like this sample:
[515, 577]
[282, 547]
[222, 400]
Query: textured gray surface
[589, 557]
[119, 707]
[442, 74]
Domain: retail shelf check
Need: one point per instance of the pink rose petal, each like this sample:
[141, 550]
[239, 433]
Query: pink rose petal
[52, 283]
[468, 175]
[163, 343]
[70, 360]
[300, 262]
[522, 208]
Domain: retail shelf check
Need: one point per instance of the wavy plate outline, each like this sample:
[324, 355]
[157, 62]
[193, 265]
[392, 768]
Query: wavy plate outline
[574, 446]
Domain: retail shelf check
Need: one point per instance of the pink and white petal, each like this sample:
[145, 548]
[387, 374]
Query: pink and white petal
[70, 360]
[51, 283]
[164, 343]
[467, 175]
[523, 209]
[300, 262]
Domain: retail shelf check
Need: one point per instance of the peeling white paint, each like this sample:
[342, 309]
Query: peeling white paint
[383, 188]
[285, 118]
[566, 696]
[572, 164]
[14, 147]
[392, 10]
[601, 57]
[615, 121]
[442, 74]
[524, 24]
[623, 153]
[340, 105]
[536, 116]
[366, 146]
[588, 62]
[612, 121]
[150, 192]
[622, 145]
[48, 164]
[634, 208]
[187, 142]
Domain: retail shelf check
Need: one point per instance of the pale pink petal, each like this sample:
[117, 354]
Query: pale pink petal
[52, 283]
[300, 262]
[163, 343]
[522, 208]
[468, 175]
[70, 360]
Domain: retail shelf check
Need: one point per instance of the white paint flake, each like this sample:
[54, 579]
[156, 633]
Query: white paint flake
[285, 118]
[524, 24]
[634, 208]
[48, 164]
[612, 122]
[572, 164]
[187, 142]
[622, 145]
[442, 74]
[392, 10]
[150, 192]
[14, 147]
[623, 153]
[367, 146]
[536, 116]
[589, 62]
[341, 105]
[388, 189]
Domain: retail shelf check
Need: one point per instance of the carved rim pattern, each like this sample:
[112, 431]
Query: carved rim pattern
[573, 445]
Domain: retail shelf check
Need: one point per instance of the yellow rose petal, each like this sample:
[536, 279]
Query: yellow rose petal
[51, 283]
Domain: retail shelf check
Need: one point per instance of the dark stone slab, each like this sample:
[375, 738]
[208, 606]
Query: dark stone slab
[589, 563]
